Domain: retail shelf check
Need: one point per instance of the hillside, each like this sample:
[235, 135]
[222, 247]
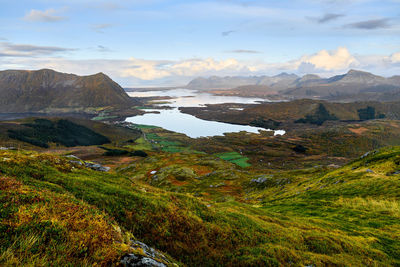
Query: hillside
[317, 216]
[353, 86]
[278, 82]
[50, 91]
[284, 115]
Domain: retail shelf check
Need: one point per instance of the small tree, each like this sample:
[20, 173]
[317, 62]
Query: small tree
[367, 113]
[319, 117]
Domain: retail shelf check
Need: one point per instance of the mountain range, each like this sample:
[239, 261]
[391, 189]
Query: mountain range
[352, 86]
[47, 90]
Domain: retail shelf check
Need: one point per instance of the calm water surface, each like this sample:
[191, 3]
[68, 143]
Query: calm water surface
[176, 121]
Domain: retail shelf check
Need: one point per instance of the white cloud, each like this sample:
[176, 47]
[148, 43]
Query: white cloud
[331, 60]
[149, 70]
[395, 58]
[49, 15]
[145, 69]
[142, 72]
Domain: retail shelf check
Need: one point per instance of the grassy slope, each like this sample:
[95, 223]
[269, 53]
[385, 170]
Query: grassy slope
[113, 132]
[39, 226]
[345, 217]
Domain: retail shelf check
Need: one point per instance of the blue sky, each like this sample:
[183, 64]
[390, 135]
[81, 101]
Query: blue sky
[168, 42]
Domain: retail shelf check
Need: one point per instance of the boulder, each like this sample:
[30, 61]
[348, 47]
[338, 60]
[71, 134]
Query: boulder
[130, 260]
[72, 157]
[149, 257]
[97, 167]
[8, 148]
[76, 162]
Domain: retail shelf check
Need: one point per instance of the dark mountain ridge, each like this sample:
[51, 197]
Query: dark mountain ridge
[46, 90]
[354, 85]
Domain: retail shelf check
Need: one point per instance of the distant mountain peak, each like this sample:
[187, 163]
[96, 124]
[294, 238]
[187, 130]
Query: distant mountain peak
[309, 77]
[285, 74]
[358, 72]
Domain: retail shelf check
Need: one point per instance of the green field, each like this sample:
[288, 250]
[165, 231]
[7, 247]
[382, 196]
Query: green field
[235, 158]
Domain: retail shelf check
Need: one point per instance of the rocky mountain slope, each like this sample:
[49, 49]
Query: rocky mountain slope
[280, 81]
[356, 85]
[353, 86]
[48, 90]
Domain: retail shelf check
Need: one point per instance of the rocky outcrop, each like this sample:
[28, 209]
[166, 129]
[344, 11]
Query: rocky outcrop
[94, 166]
[148, 257]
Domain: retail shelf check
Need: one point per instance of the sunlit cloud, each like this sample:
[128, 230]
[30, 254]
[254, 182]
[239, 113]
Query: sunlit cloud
[331, 60]
[395, 58]
[137, 72]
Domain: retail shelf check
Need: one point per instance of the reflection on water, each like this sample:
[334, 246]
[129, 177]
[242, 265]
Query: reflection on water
[176, 121]
[191, 98]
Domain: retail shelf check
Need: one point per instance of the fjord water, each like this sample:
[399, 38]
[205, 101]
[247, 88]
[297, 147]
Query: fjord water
[192, 98]
[174, 120]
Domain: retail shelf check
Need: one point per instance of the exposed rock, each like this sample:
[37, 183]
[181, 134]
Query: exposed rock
[151, 256]
[367, 154]
[139, 260]
[370, 171]
[259, 180]
[72, 157]
[76, 162]
[333, 166]
[217, 185]
[8, 148]
[97, 167]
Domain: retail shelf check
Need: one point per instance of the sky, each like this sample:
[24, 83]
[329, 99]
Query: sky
[141, 43]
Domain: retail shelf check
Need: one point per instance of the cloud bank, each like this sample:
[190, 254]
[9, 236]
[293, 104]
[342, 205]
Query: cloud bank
[142, 72]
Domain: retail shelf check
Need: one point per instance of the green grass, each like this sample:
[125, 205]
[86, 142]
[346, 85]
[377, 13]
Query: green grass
[164, 144]
[102, 118]
[141, 144]
[316, 216]
[142, 126]
[235, 158]
[40, 227]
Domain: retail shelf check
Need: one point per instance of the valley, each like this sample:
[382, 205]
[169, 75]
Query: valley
[316, 183]
[218, 133]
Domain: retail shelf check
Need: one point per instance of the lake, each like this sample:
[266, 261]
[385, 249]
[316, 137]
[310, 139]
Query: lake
[176, 121]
